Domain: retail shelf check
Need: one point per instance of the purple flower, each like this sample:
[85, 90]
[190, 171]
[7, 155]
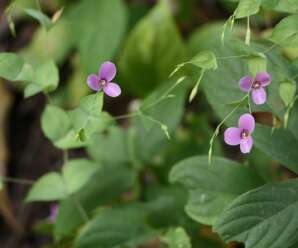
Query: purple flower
[53, 213]
[256, 86]
[242, 134]
[102, 81]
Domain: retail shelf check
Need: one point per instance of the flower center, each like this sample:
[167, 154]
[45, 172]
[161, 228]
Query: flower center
[244, 134]
[102, 82]
[256, 85]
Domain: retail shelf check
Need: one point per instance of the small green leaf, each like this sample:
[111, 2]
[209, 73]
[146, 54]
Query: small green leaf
[14, 68]
[208, 193]
[49, 187]
[45, 79]
[43, 19]
[205, 60]
[285, 33]
[257, 64]
[195, 89]
[176, 238]
[287, 91]
[56, 126]
[77, 173]
[264, 217]
[247, 8]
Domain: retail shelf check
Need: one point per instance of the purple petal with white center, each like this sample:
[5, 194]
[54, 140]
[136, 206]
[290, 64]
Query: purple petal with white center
[112, 89]
[264, 78]
[107, 71]
[247, 122]
[93, 82]
[232, 136]
[259, 96]
[246, 144]
[245, 83]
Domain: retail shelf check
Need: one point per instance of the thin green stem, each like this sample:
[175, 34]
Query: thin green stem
[16, 180]
[80, 208]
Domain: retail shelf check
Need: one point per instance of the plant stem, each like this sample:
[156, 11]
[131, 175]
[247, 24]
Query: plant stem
[17, 180]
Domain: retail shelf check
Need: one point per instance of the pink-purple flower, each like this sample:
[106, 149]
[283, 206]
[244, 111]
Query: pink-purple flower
[241, 135]
[103, 81]
[256, 86]
[53, 213]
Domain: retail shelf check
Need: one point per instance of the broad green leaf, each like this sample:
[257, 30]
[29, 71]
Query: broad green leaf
[264, 217]
[177, 238]
[281, 145]
[102, 146]
[285, 33]
[54, 44]
[116, 179]
[46, 79]
[153, 48]
[57, 127]
[287, 91]
[257, 64]
[101, 26]
[88, 117]
[168, 112]
[43, 19]
[290, 6]
[76, 173]
[49, 187]
[247, 8]
[205, 60]
[14, 68]
[208, 193]
[124, 227]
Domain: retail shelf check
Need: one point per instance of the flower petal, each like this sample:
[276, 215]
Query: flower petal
[112, 89]
[92, 82]
[246, 144]
[245, 83]
[264, 78]
[247, 122]
[259, 96]
[232, 136]
[107, 71]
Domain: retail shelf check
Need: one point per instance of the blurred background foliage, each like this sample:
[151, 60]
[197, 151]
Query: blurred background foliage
[129, 196]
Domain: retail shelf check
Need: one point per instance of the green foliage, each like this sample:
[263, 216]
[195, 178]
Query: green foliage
[153, 48]
[14, 68]
[208, 193]
[44, 20]
[49, 187]
[287, 91]
[265, 217]
[247, 8]
[45, 79]
[285, 33]
[177, 238]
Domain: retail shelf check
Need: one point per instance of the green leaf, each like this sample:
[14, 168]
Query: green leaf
[101, 25]
[205, 60]
[208, 193]
[153, 48]
[257, 64]
[115, 228]
[57, 127]
[43, 19]
[77, 173]
[264, 217]
[247, 8]
[285, 33]
[14, 68]
[177, 238]
[117, 179]
[88, 118]
[46, 79]
[280, 145]
[49, 187]
[102, 146]
[167, 112]
[289, 6]
[287, 91]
